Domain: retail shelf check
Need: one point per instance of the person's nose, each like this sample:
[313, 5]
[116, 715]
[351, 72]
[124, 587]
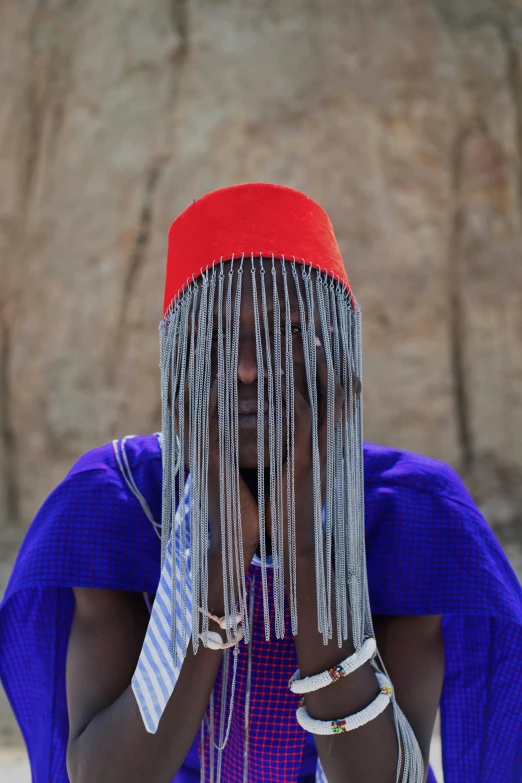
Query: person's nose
[247, 361]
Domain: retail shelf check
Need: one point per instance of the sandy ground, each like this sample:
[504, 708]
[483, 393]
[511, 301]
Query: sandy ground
[13, 766]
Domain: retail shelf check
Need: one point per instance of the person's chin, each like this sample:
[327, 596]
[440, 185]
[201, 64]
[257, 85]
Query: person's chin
[247, 442]
[247, 422]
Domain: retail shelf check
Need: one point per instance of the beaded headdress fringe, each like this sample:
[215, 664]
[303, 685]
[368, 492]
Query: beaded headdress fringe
[186, 337]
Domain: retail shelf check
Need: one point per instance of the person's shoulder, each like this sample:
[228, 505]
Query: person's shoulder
[113, 475]
[136, 450]
[101, 482]
[429, 548]
[98, 526]
[386, 467]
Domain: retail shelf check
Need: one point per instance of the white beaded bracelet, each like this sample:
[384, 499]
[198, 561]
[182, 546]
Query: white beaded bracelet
[349, 665]
[352, 722]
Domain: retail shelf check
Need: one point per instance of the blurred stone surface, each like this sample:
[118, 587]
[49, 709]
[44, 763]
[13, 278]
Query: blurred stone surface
[14, 766]
[403, 118]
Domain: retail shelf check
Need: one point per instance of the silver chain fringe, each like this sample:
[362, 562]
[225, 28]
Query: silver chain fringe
[185, 355]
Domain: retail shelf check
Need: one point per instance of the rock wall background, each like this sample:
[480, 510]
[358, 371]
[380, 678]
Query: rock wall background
[402, 117]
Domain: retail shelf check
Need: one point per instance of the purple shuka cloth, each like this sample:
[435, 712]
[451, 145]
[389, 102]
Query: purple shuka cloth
[429, 551]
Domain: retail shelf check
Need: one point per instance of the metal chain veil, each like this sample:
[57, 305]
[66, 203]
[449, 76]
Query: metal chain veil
[187, 333]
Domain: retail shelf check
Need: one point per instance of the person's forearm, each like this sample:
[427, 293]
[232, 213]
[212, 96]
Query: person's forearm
[132, 755]
[368, 754]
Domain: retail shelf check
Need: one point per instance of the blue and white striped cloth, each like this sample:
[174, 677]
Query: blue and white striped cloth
[156, 675]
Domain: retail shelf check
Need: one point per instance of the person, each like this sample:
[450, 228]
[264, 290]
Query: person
[256, 594]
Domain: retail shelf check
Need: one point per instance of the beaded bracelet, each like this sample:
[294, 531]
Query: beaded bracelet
[349, 665]
[352, 722]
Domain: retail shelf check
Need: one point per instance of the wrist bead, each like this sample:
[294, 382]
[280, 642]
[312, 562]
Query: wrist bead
[349, 665]
[351, 722]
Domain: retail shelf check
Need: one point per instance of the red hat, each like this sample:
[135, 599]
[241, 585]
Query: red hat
[255, 218]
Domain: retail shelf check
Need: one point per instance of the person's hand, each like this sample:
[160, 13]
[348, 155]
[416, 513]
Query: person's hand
[249, 509]
[303, 460]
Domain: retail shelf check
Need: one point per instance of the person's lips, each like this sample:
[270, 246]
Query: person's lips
[247, 407]
[247, 414]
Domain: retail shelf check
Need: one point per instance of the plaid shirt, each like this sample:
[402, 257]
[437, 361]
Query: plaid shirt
[429, 551]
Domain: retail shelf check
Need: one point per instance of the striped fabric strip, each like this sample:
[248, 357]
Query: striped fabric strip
[320, 777]
[156, 675]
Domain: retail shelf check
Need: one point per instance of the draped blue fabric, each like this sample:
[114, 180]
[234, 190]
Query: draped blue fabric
[429, 551]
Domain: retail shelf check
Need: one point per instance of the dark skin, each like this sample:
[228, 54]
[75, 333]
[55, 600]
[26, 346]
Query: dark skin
[107, 739]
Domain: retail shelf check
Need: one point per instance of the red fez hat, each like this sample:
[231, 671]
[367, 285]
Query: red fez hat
[255, 218]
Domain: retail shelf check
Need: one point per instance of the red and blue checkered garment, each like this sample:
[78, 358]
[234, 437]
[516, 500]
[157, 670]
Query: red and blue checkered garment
[429, 551]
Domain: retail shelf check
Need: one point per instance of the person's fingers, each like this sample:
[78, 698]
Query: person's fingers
[322, 382]
[213, 423]
[213, 400]
[302, 408]
[302, 416]
[338, 399]
[213, 457]
[357, 385]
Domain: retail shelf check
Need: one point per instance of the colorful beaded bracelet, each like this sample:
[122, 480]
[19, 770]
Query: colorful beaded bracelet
[352, 722]
[349, 665]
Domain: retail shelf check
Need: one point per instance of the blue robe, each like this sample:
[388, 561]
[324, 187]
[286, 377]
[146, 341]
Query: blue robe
[429, 551]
